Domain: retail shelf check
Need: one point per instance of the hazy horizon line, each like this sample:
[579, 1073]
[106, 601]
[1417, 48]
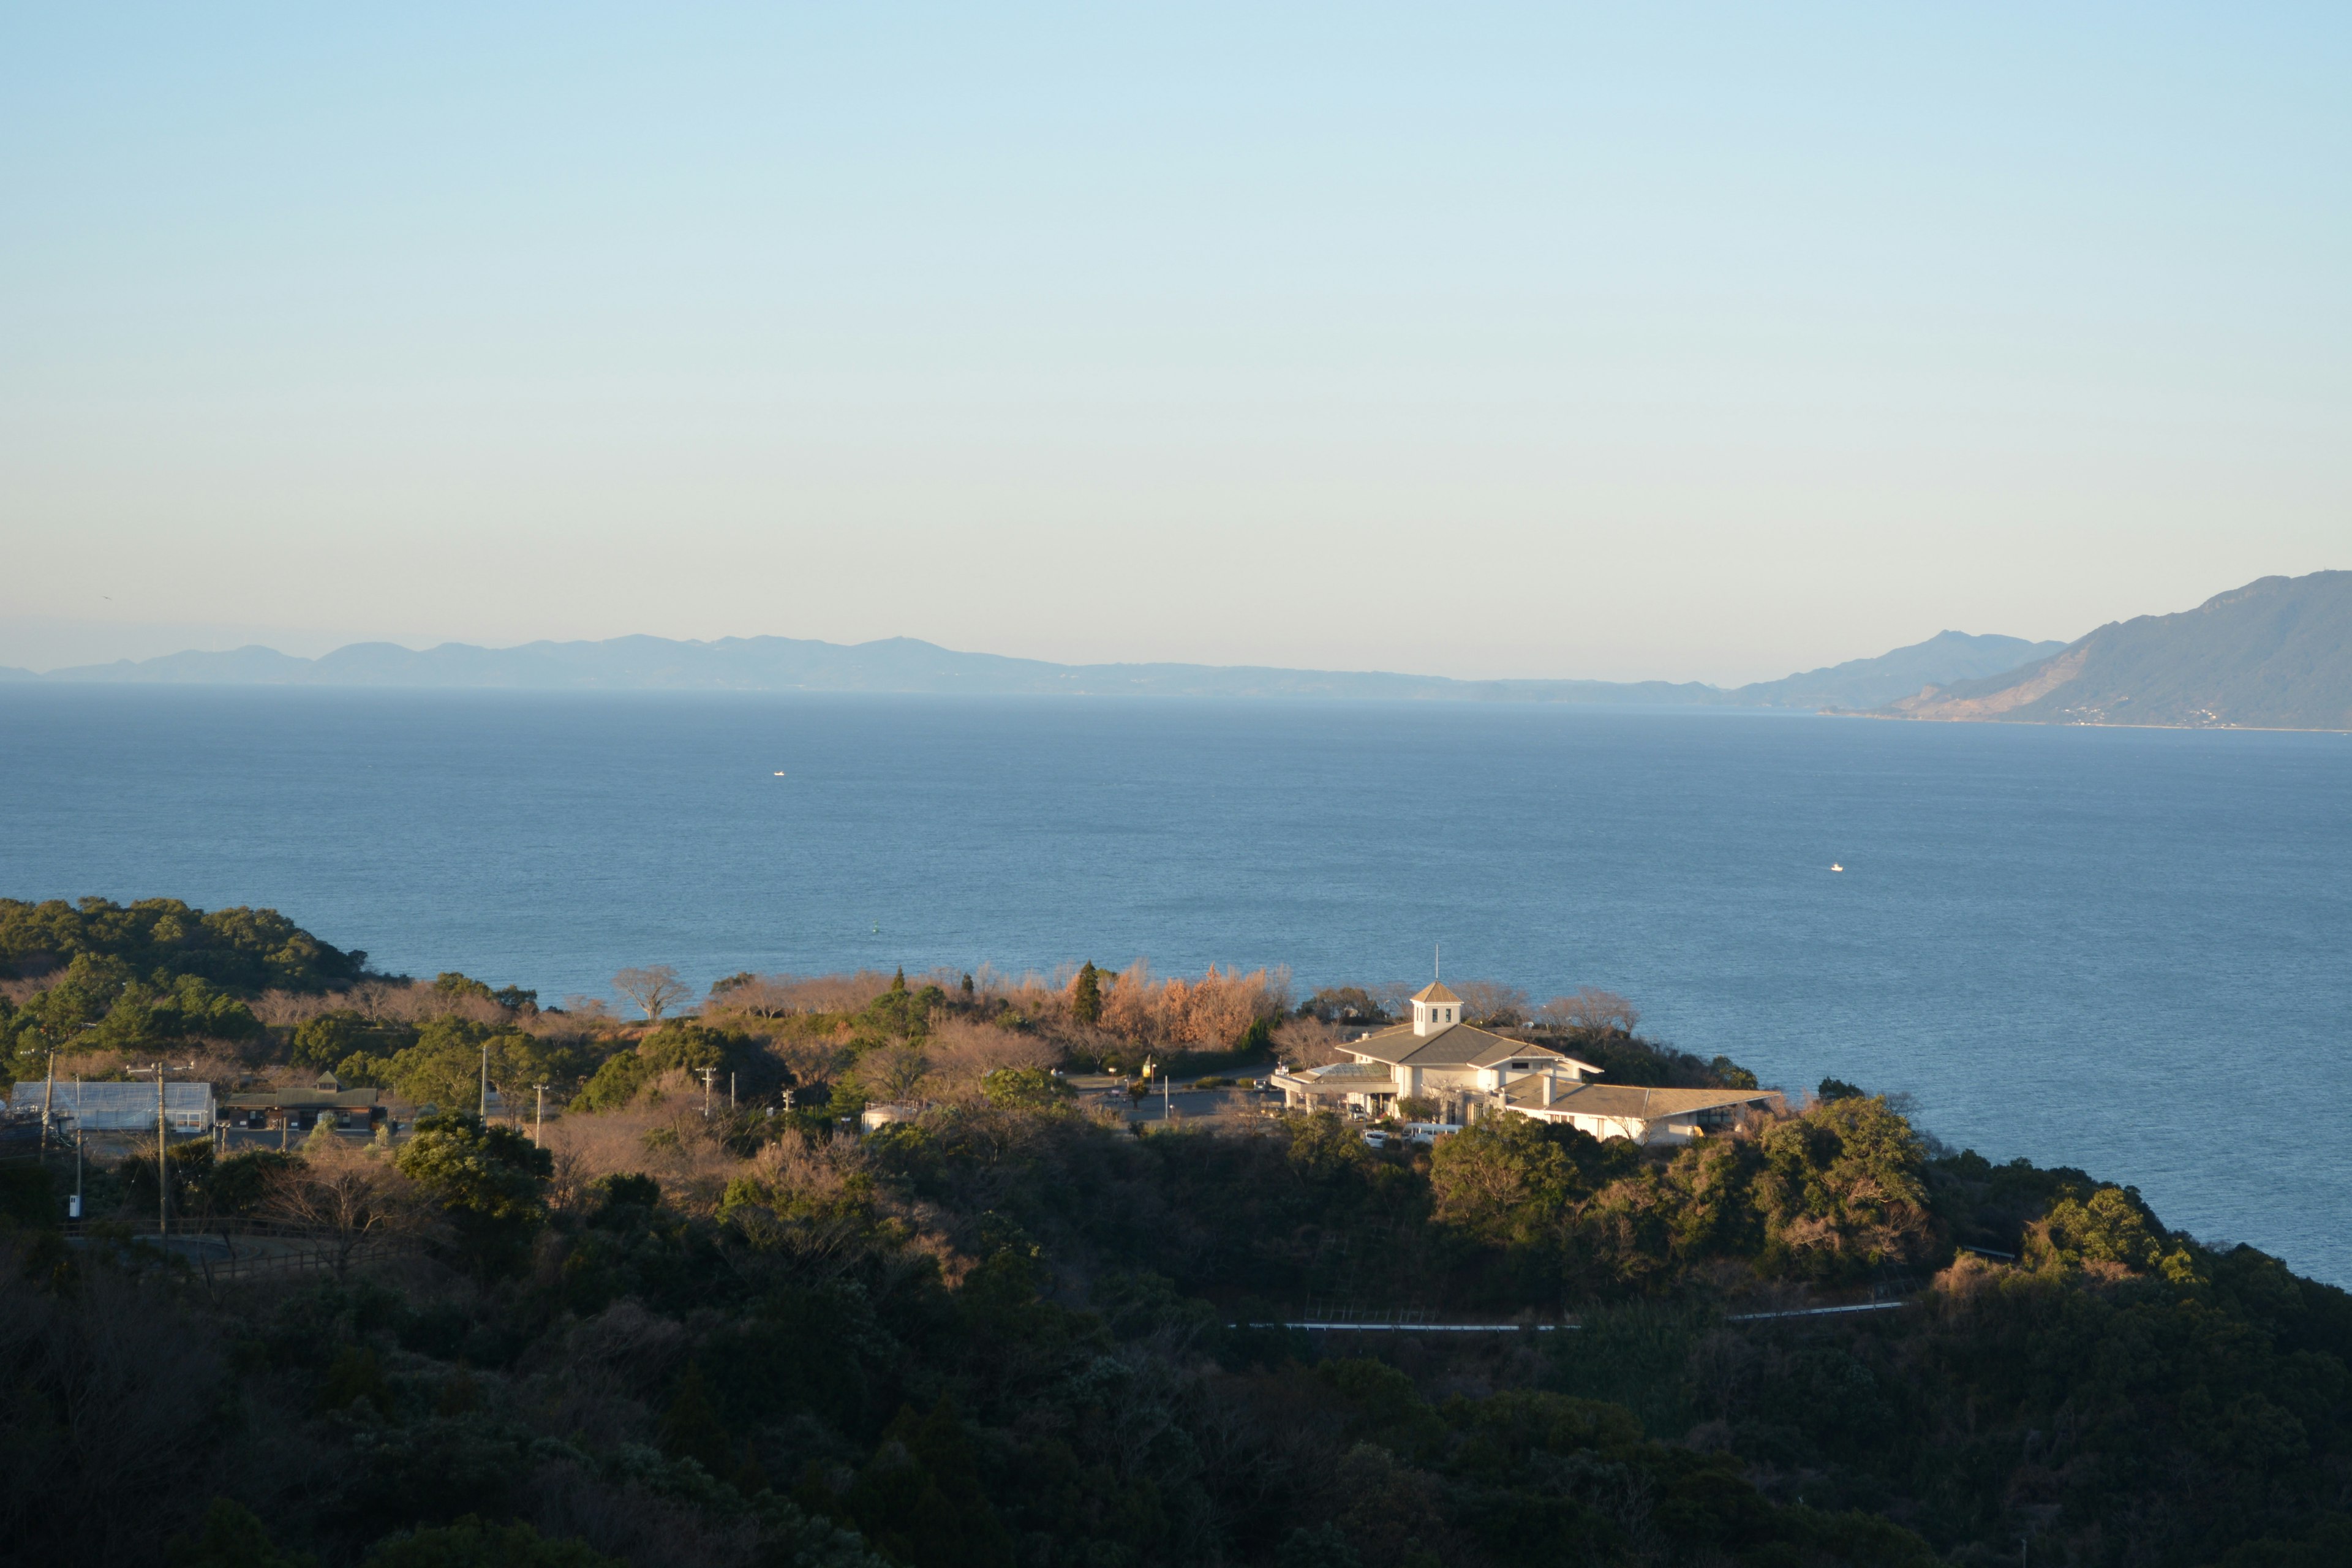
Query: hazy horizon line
[452, 644]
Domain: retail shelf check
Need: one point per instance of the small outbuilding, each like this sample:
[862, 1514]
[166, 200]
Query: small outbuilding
[302, 1109]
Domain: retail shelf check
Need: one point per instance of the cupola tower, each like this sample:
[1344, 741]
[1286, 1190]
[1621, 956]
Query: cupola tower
[1434, 1009]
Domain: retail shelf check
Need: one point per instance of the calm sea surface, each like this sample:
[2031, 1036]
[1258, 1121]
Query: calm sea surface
[2125, 949]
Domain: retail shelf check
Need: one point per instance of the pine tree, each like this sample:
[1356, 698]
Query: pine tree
[899, 982]
[1085, 995]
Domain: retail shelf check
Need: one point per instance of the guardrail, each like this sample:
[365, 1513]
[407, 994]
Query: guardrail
[212, 1248]
[1354, 1326]
[1415, 1320]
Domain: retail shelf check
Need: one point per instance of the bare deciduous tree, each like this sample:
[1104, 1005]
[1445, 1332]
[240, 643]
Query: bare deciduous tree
[1491, 1001]
[1311, 1043]
[416, 1002]
[348, 1197]
[806, 1061]
[780, 995]
[1601, 1012]
[655, 990]
[892, 1072]
[284, 1009]
[963, 1054]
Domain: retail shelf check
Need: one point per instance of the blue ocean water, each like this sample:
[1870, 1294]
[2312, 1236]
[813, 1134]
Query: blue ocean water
[2128, 950]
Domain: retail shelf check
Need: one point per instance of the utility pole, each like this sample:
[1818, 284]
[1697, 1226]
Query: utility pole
[731, 1092]
[48, 1093]
[77, 1198]
[539, 1122]
[708, 1074]
[162, 1162]
[486, 1083]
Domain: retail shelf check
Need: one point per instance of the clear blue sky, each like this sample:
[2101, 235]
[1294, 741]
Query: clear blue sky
[1688, 341]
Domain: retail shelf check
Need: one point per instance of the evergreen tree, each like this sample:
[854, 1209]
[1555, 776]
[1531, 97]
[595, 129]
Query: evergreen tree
[1085, 995]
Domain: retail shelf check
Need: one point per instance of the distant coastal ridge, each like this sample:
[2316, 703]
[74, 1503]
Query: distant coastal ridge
[2276, 654]
[906, 665]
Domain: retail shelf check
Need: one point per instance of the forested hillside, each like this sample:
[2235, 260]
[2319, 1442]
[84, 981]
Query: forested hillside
[1011, 1331]
[2276, 654]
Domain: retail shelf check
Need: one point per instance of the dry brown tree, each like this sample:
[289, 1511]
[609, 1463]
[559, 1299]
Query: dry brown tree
[216, 1061]
[418, 1002]
[662, 1134]
[347, 1198]
[809, 1058]
[1211, 1014]
[782, 995]
[1593, 1009]
[1492, 1003]
[893, 1072]
[285, 1009]
[962, 1054]
[1310, 1042]
[655, 989]
[762, 997]
[1129, 1004]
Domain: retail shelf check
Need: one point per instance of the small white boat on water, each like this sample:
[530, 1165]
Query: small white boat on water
[1833, 865]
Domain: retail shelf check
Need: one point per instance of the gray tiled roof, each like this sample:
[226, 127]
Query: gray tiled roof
[1459, 1045]
[301, 1098]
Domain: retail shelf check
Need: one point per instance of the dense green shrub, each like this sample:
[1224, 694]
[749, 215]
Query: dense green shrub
[489, 1181]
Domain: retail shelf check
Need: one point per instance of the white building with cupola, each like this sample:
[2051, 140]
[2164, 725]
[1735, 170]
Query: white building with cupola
[1463, 1072]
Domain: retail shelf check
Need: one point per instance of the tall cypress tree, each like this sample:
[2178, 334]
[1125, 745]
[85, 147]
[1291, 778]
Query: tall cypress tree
[1085, 995]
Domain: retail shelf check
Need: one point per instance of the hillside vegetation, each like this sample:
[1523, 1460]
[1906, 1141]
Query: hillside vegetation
[1010, 1330]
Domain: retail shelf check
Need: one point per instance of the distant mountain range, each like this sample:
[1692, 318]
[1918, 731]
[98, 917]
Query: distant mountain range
[906, 665]
[2276, 654]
